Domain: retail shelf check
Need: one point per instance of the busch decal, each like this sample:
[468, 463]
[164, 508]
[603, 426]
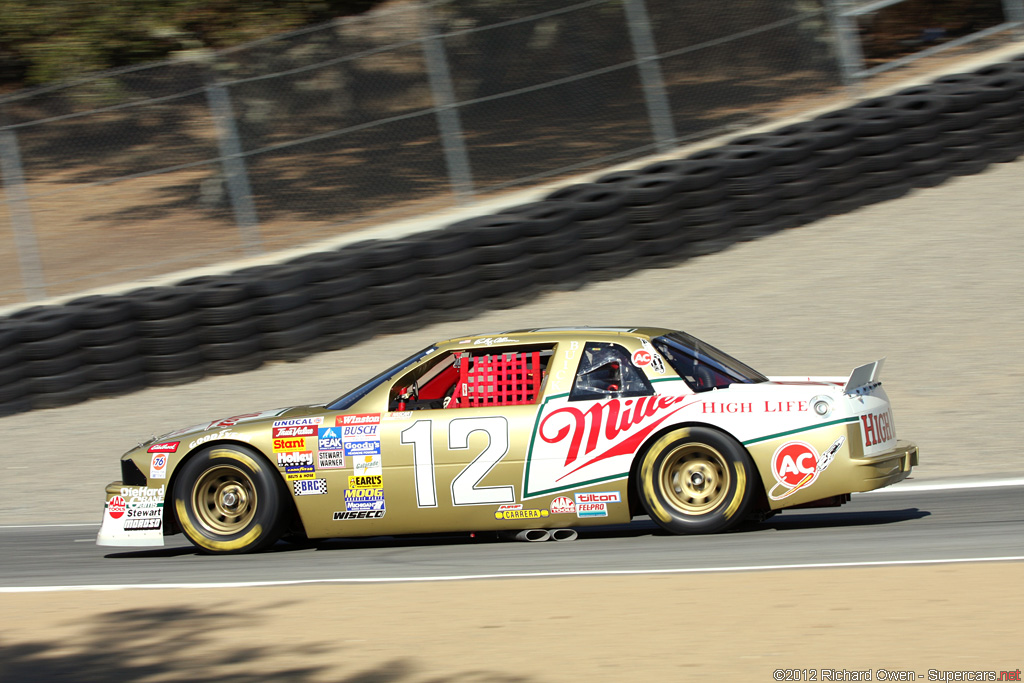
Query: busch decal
[584, 442]
[796, 465]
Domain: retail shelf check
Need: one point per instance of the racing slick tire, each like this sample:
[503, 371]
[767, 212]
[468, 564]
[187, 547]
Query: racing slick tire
[696, 481]
[228, 500]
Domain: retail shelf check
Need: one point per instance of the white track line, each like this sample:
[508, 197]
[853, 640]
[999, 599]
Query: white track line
[531, 575]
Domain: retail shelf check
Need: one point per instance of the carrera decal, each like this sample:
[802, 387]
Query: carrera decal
[587, 442]
[796, 465]
[521, 514]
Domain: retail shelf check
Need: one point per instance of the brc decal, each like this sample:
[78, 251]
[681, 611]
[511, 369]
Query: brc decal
[578, 443]
[310, 487]
[796, 465]
[166, 447]
[877, 428]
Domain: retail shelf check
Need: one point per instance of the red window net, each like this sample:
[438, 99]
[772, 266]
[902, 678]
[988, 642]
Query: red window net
[497, 380]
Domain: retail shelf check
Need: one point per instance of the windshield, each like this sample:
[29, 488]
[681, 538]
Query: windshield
[703, 366]
[350, 399]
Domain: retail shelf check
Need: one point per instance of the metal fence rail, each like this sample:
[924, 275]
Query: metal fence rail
[151, 169]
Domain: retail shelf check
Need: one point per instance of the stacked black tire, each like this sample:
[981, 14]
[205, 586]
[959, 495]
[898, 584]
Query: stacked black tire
[875, 150]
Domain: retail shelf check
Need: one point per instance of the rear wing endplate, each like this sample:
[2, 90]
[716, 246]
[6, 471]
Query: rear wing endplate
[864, 376]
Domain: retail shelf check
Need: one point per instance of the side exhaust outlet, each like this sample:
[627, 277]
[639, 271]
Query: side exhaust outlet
[528, 535]
[563, 535]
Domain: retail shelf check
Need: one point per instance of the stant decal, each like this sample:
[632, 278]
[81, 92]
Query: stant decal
[796, 465]
[297, 443]
[116, 507]
[158, 466]
[580, 443]
[166, 447]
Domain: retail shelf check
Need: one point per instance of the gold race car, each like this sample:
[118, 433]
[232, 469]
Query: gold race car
[530, 432]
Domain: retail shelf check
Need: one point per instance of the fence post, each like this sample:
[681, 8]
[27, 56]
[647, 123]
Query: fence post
[658, 108]
[239, 192]
[439, 77]
[21, 217]
[847, 40]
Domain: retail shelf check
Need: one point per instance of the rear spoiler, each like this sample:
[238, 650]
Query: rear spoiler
[864, 376]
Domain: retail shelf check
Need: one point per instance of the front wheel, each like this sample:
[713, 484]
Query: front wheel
[696, 481]
[228, 500]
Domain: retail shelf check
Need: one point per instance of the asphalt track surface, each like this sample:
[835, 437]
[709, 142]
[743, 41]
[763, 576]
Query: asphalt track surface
[896, 526]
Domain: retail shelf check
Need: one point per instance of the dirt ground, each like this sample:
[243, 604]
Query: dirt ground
[692, 627]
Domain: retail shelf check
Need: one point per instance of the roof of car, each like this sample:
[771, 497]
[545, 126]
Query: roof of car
[553, 334]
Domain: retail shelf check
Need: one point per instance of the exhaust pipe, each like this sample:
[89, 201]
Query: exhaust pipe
[528, 535]
[563, 535]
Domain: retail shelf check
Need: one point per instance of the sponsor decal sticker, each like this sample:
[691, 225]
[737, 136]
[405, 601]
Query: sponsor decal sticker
[297, 472]
[359, 499]
[364, 514]
[491, 341]
[294, 443]
[368, 464]
[641, 358]
[796, 465]
[877, 428]
[563, 506]
[165, 447]
[400, 415]
[579, 444]
[224, 434]
[310, 487]
[298, 430]
[521, 514]
[232, 421]
[144, 508]
[510, 506]
[116, 507]
[294, 458]
[299, 421]
[595, 504]
[375, 481]
[158, 466]
[360, 438]
[331, 460]
[364, 419]
[329, 439]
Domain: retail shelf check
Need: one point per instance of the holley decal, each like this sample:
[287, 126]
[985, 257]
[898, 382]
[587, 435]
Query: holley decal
[579, 443]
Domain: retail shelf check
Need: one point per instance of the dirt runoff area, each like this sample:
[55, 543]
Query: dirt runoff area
[833, 623]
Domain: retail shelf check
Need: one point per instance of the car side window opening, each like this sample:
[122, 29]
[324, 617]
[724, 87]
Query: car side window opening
[473, 378]
[606, 371]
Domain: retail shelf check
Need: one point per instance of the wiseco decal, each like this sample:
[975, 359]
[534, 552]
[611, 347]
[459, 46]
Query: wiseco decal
[293, 444]
[573, 446]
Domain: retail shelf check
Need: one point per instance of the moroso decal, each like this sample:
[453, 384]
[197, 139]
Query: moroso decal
[796, 465]
[580, 443]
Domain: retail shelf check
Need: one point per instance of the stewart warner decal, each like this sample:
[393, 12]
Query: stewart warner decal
[580, 443]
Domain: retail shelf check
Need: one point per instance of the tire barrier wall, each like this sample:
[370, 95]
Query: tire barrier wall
[875, 150]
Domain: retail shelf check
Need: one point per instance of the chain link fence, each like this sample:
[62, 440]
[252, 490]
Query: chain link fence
[414, 107]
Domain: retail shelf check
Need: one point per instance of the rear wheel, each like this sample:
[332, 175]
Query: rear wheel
[228, 500]
[696, 481]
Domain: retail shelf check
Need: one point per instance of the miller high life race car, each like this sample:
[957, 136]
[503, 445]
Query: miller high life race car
[525, 431]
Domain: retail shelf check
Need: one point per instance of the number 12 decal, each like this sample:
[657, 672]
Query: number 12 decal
[464, 486]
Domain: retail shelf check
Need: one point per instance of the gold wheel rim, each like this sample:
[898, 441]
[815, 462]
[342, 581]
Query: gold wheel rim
[224, 500]
[695, 478]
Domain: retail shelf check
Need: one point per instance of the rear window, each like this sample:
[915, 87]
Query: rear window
[702, 366]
